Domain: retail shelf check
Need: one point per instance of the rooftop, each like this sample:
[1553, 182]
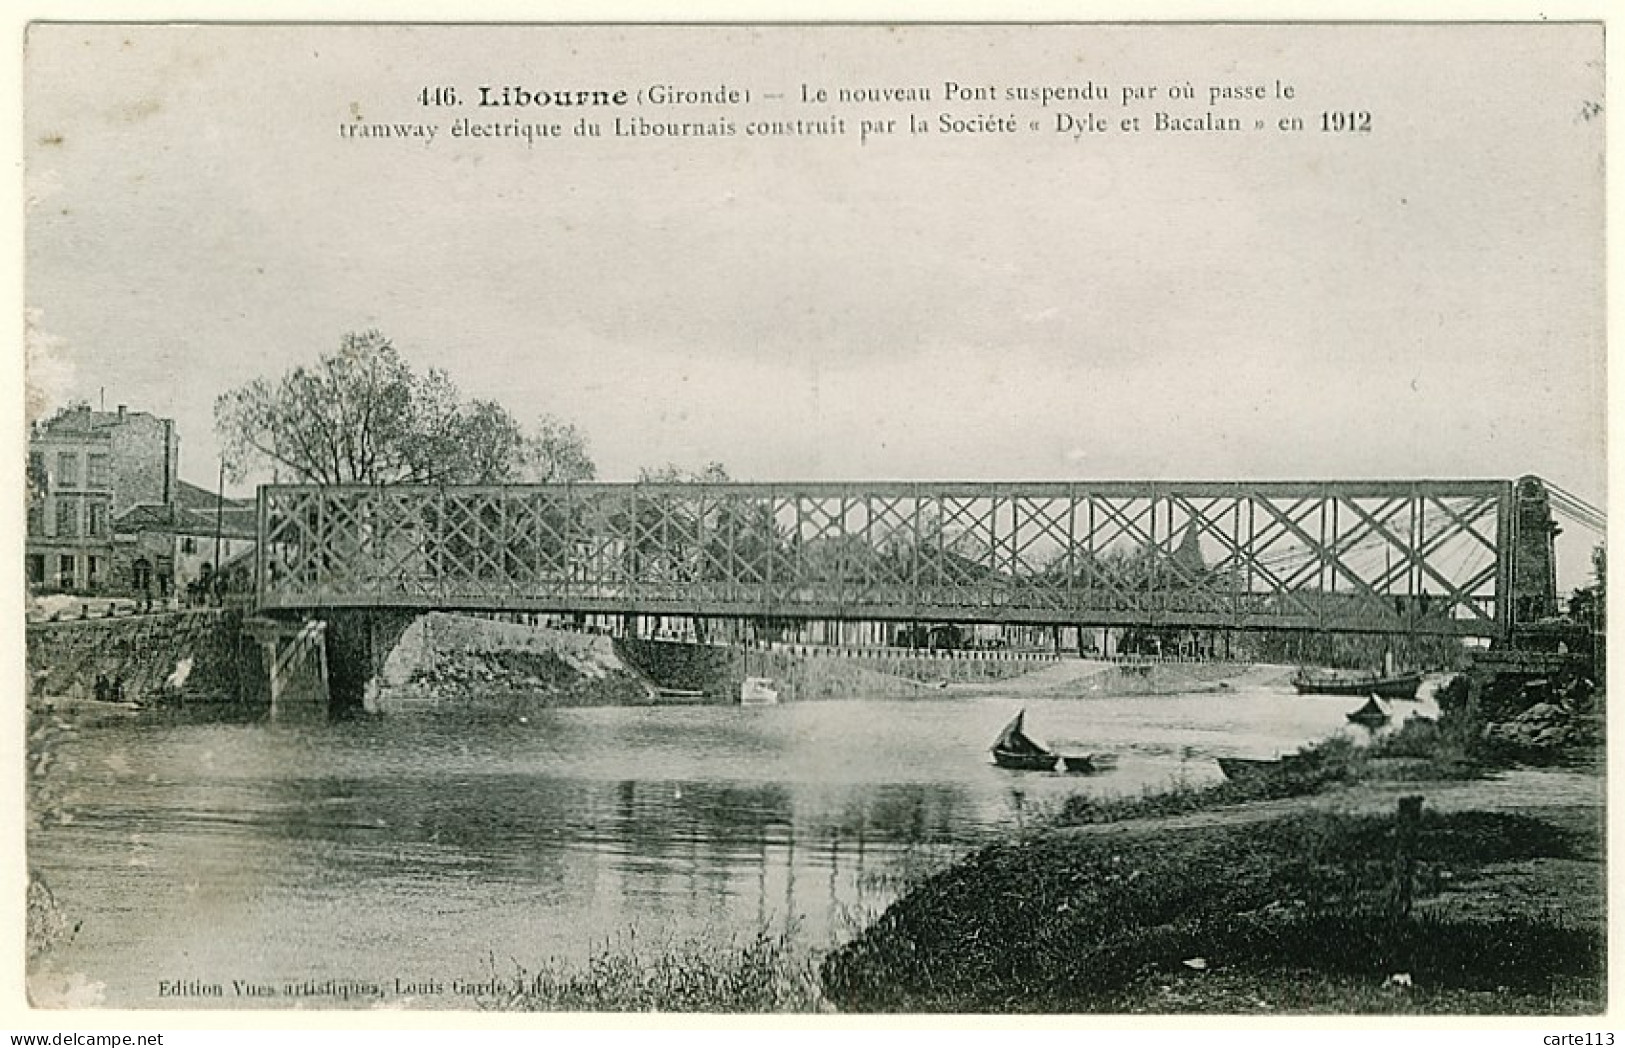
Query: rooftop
[235, 521]
[193, 496]
[83, 422]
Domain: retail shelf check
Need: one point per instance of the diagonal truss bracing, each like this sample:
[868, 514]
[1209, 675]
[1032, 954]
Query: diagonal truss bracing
[1428, 557]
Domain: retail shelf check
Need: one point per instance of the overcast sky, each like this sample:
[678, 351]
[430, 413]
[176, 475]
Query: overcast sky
[1423, 300]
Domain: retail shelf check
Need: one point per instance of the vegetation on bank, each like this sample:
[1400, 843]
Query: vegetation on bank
[767, 973]
[1066, 922]
[1420, 749]
[1461, 913]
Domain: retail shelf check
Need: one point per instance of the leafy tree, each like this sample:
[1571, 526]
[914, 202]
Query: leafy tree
[361, 415]
[1588, 605]
[671, 473]
[557, 454]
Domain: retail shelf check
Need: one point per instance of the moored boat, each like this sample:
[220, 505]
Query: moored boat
[1088, 763]
[1398, 686]
[1238, 768]
[1371, 715]
[1025, 761]
[1291, 764]
[1014, 750]
[758, 691]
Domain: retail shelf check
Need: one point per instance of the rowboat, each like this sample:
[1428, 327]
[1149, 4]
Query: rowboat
[1237, 769]
[1014, 750]
[1240, 768]
[1088, 763]
[1398, 686]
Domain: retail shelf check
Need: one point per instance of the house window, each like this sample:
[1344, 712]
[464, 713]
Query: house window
[67, 469]
[92, 570]
[36, 569]
[36, 516]
[98, 471]
[141, 573]
[188, 544]
[64, 571]
[97, 525]
[67, 518]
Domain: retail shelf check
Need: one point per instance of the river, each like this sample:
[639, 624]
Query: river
[337, 858]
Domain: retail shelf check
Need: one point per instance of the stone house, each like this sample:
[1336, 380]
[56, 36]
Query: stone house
[188, 539]
[85, 469]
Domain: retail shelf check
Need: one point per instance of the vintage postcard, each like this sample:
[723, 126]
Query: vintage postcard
[1063, 518]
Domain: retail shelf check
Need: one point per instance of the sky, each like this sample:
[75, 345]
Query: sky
[1421, 300]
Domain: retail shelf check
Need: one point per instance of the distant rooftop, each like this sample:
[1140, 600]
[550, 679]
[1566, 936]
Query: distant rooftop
[85, 422]
[235, 521]
[193, 496]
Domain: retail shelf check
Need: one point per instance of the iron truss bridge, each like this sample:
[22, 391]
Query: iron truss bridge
[1431, 557]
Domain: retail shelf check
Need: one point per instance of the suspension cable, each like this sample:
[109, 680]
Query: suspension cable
[1577, 509]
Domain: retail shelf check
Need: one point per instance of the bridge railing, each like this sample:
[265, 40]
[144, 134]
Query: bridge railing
[1359, 556]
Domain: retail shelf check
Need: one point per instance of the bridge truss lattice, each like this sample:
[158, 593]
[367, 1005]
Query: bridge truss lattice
[1420, 557]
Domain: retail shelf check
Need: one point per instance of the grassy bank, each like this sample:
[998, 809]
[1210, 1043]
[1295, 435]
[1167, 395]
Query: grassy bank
[1466, 912]
[1420, 750]
[1297, 914]
[766, 973]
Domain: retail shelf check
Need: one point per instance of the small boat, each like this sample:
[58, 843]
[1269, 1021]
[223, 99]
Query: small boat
[1025, 761]
[661, 692]
[1371, 715]
[1293, 764]
[1013, 749]
[1398, 686]
[1088, 763]
[758, 691]
[1237, 769]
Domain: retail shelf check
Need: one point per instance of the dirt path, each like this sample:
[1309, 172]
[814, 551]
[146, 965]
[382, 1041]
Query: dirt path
[1505, 791]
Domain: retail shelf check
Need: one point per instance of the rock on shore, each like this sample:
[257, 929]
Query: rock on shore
[461, 662]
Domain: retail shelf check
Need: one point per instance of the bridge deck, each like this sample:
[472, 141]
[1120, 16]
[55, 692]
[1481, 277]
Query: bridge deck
[1425, 557]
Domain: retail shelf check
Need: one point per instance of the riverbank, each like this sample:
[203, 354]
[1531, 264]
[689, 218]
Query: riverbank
[1090, 678]
[444, 661]
[1452, 866]
[1299, 904]
[1277, 906]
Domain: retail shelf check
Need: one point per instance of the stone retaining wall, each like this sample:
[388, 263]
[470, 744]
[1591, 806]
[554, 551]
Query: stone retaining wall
[184, 656]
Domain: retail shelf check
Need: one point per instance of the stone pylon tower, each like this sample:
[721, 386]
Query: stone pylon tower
[1534, 558]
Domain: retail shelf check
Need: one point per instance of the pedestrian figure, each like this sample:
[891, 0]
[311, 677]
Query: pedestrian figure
[118, 688]
[101, 689]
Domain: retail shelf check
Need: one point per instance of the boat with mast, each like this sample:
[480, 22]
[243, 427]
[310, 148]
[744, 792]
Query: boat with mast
[1014, 750]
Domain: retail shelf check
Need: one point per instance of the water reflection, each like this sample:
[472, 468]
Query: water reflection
[439, 847]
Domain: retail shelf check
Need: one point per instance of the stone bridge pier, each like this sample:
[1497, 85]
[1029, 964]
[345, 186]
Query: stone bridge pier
[293, 660]
[358, 642]
[314, 667]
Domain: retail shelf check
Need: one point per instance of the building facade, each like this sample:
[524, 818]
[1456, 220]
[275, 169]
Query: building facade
[85, 469]
[188, 540]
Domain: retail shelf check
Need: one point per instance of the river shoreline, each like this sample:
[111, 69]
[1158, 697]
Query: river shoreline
[1228, 909]
[787, 812]
[1516, 815]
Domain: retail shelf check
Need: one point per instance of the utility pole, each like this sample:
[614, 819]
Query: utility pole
[219, 513]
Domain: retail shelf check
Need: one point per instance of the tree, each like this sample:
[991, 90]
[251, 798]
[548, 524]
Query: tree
[1589, 604]
[557, 454]
[361, 415]
[671, 473]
